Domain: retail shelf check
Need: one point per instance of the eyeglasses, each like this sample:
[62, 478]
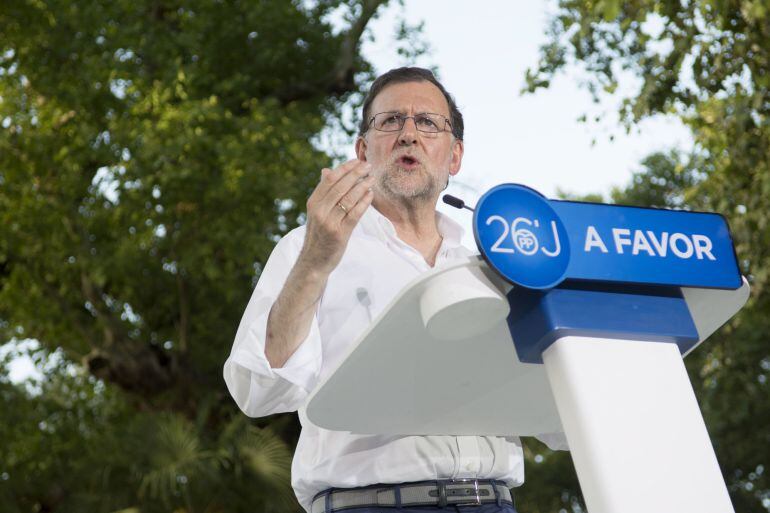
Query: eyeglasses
[424, 121]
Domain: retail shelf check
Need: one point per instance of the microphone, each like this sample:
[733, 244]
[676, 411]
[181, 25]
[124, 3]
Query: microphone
[455, 202]
[363, 298]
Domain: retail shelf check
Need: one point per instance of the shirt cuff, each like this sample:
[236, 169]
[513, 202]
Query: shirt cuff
[301, 369]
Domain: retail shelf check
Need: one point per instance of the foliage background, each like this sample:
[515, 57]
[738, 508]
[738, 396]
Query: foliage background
[152, 152]
[708, 63]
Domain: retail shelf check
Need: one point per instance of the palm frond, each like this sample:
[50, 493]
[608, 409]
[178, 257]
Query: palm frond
[176, 458]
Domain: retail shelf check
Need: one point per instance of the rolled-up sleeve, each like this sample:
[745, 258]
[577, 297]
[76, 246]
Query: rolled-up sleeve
[257, 388]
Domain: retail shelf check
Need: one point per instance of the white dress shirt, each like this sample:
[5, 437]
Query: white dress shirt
[375, 267]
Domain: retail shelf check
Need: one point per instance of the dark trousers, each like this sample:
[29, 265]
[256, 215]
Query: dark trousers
[484, 508]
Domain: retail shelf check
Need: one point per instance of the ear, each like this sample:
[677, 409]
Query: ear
[361, 148]
[458, 148]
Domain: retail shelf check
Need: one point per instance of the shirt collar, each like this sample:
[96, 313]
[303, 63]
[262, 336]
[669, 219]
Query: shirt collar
[375, 224]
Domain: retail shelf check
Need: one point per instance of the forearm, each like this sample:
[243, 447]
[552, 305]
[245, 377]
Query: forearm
[291, 316]
[328, 229]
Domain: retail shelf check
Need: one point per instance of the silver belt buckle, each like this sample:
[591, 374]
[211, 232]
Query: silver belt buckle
[477, 497]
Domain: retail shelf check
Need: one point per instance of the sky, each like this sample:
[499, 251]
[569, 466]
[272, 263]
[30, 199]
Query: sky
[482, 50]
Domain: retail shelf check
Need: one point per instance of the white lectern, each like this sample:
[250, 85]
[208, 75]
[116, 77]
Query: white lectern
[459, 352]
[440, 360]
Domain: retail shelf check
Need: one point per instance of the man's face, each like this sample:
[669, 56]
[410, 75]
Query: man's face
[410, 164]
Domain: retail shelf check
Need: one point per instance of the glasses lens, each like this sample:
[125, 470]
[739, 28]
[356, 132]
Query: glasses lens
[388, 121]
[394, 122]
[431, 123]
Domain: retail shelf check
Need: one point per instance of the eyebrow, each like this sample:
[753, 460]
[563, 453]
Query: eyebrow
[403, 112]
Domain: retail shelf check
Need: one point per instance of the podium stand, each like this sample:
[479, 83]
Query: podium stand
[462, 351]
[459, 375]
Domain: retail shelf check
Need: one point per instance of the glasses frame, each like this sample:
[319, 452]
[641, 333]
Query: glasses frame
[413, 118]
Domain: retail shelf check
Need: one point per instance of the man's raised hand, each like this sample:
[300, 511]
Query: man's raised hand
[333, 210]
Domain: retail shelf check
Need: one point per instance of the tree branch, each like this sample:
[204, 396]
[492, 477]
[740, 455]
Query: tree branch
[184, 313]
[132, 365]
[339, 80]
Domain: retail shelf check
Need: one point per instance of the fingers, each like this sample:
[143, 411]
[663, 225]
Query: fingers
[355, 195]
[329, 226]
[354, 213]
[345, 186]
[340, 181]
[329, 177]
[343, 169]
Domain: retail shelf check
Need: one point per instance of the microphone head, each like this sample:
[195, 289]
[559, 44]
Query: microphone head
[453, 201]
[363, 296]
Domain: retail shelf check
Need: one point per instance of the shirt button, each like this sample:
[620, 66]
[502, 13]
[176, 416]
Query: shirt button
[469, 466]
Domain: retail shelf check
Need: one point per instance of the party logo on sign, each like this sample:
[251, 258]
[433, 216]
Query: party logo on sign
[520, 236]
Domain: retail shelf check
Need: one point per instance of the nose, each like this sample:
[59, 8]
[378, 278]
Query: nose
[408, 134]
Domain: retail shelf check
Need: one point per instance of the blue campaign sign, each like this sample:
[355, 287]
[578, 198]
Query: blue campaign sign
[521, 236]
[537, 243]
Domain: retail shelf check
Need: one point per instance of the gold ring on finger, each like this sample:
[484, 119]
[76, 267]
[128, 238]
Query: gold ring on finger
[344, 209]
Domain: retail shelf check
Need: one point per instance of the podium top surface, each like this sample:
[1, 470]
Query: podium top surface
[440, 361]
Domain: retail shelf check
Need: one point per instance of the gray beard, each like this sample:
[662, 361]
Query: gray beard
[399, 185]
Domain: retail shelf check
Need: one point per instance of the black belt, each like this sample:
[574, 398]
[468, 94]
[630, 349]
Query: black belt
[449, 492]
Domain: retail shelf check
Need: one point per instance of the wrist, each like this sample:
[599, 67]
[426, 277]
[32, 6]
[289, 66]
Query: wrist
[310, 270]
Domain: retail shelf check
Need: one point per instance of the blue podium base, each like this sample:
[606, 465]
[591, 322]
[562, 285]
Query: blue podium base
[633, 312]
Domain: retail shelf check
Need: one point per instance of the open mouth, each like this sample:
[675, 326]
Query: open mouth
[408, 161]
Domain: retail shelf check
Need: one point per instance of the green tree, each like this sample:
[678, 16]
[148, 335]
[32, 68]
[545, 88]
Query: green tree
[151, 153]
[708, 63]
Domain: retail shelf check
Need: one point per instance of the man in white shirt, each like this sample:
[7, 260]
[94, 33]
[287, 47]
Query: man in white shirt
[371, 228]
